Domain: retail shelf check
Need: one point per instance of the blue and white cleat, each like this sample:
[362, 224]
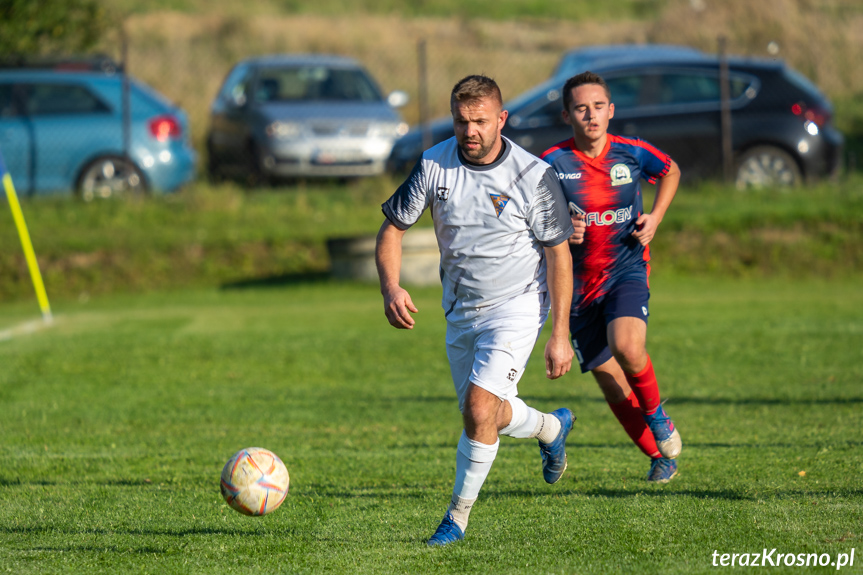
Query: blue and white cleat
[667, 438]
[662, 470]
[554, 453]
[447, 532]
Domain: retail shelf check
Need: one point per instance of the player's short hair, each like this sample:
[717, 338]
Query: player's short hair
[475, 87]
[587, 77]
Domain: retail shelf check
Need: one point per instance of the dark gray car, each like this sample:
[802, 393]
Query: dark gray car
[293, 116]
[782, 130]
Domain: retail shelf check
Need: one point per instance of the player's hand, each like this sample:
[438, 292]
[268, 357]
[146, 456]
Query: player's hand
[580, 226]
[398, 307]
[558, 357]
[645, 228]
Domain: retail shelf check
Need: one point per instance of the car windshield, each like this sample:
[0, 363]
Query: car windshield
[314, 84]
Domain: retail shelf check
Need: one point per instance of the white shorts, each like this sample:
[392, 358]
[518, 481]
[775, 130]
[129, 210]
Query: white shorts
[493, 348]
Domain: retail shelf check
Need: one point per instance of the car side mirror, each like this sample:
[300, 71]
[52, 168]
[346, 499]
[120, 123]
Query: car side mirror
[398, 98]
[237, 97]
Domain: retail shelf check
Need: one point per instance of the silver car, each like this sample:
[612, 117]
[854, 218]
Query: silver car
[297, 116]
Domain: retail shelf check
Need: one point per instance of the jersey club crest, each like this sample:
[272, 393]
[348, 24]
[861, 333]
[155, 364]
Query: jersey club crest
[620, 175]
[499, 201]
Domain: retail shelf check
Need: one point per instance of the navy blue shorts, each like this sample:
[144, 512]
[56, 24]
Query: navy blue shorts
[589, 328]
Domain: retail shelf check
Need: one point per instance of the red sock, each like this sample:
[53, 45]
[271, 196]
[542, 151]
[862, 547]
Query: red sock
[646, 389]
[628, 414]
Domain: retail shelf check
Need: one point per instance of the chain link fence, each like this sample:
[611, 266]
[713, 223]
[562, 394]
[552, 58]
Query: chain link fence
[187, 56]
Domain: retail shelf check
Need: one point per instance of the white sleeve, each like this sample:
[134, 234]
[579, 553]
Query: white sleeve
[409, 201]
[549, 216]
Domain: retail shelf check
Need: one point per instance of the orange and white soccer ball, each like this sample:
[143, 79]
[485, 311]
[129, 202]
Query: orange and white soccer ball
[255, 481]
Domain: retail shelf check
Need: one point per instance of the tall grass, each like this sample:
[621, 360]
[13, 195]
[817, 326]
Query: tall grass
[486, 9]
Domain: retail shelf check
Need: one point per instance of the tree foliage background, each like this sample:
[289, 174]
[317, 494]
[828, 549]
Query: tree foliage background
[42, 27]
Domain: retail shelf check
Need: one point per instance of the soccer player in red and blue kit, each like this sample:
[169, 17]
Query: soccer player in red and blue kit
[600, 174]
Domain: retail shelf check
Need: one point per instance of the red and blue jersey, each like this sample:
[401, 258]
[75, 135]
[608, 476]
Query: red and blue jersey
[607, 191]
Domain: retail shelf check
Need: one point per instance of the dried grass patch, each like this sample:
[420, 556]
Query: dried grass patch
[186, 56]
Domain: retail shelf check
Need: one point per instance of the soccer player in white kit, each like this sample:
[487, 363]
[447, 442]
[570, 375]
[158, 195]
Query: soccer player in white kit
[502, 226]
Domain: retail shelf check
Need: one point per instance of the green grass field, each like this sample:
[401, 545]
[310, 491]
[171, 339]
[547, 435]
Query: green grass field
[116, 421]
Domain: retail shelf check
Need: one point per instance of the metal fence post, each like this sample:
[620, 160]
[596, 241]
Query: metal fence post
[127, 113]
[725, 107]
[423, 94]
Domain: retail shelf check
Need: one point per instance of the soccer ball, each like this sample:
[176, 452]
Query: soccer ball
[254, 481]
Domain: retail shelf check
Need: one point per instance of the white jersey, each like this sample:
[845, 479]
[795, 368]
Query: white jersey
[491, 222]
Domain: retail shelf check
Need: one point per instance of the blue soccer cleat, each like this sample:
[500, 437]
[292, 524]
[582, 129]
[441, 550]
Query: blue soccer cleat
[666, 435]
[554, 453]
[447, 532]
[662, 470]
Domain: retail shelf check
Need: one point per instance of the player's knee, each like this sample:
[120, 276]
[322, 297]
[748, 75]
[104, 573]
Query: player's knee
[631, 356]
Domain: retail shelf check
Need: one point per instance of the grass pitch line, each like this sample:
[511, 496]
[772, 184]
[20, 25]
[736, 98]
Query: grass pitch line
[25, 328]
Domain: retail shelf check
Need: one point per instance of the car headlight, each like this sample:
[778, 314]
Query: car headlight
[389, 130]
[284, 130]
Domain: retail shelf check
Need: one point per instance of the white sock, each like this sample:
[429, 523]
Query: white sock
[547, 428]
[473, 463]
[523, 422]
[460, 510]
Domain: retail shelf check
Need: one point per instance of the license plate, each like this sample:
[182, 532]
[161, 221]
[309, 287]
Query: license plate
[339, 157]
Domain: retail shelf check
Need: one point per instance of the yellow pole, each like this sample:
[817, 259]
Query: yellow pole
[30, 256]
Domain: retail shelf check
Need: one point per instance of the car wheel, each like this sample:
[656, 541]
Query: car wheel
[767, 167]
[110, 176]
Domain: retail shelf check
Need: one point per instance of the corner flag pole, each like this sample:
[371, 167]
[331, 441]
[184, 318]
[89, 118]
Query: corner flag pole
[29, 254]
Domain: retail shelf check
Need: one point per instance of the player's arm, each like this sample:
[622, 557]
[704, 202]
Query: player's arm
[550, 221]
[558, 350]
[666, 188]
[388, 259]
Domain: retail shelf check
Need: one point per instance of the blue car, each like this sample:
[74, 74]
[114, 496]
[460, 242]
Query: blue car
[62, 129]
